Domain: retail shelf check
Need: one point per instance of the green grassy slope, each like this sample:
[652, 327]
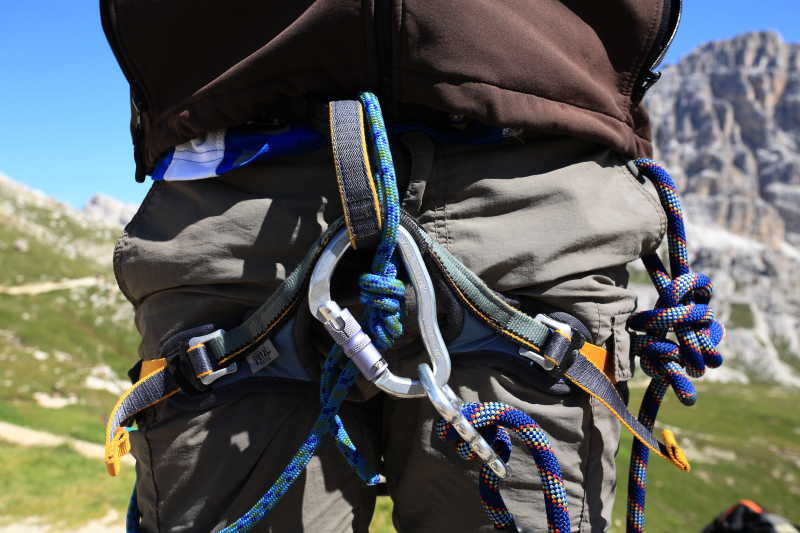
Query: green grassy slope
[52, 344]
[743, 442]
[59, 486]
[59, 242]
[70, 345]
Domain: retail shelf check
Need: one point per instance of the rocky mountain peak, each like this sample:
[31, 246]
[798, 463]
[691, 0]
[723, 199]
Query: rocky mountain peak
[109, 210]
[763, 51]
[726, 123]
[726, 119]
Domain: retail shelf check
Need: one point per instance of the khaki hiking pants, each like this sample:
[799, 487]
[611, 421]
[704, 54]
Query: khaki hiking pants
[552, 222]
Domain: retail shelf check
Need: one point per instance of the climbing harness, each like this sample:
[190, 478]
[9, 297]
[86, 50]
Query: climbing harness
[205, 358]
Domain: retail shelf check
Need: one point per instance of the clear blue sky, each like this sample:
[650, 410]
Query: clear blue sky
[64, 105]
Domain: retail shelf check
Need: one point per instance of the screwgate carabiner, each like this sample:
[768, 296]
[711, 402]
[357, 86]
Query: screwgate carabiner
[357, 345]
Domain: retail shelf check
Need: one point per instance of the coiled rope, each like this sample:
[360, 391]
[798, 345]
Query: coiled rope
[682, 308]
[492, 419]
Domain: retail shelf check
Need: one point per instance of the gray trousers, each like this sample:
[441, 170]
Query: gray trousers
[554, 222]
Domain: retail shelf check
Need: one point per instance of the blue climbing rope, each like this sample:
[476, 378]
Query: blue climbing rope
[682, 308]
[132, 516]
[381, 293]
[492, 419]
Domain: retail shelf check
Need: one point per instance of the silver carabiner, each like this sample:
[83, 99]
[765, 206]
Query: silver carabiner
[448, 405]
[347, 332]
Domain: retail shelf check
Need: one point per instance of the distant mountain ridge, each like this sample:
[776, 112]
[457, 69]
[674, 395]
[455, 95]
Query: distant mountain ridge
[109, 210]
[726, 123]
[726, 119]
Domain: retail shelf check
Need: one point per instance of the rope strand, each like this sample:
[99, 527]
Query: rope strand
[381, 293]
[682, 308]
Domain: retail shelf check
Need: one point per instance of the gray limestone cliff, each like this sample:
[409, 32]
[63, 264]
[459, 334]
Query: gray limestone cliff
[726, 123]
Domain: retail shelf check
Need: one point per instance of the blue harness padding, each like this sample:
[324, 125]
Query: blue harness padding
[286, 365]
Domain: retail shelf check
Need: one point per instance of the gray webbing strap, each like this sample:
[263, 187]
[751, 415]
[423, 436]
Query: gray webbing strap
[161, 384]
[353, 173]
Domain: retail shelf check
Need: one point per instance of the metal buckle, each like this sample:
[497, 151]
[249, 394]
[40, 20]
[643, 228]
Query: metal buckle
[554, 324]
[211, 377]
[357, 345]
[448, 405]
[539, 359]
[208, 379]
[536, 358]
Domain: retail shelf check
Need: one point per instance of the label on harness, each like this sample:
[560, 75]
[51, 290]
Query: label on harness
[262, 357]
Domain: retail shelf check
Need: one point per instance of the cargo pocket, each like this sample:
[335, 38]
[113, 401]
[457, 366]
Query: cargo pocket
[119, 250]
[620, 343]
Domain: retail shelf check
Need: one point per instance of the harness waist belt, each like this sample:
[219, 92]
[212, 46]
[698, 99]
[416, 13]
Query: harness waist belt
[583, 364]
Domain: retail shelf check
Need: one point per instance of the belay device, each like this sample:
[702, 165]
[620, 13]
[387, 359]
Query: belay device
[373, 218]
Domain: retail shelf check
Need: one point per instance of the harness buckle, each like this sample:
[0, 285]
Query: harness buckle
[561, 347]
[208, 379]
[195, 368]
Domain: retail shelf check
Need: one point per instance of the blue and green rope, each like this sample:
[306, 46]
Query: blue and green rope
[381, 293]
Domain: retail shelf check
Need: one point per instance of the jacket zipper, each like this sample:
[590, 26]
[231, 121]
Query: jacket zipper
[670, 19]
[383, 43]
[139, 103]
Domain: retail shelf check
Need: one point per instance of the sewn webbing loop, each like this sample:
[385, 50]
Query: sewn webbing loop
[357, 188]
[116, 448]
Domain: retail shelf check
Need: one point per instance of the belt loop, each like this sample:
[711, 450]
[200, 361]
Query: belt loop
[422, 154]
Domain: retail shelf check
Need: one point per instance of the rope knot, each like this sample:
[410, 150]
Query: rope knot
[683, 311]
[383, 296]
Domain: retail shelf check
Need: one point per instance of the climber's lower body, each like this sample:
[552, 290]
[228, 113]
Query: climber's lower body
[549, 224]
